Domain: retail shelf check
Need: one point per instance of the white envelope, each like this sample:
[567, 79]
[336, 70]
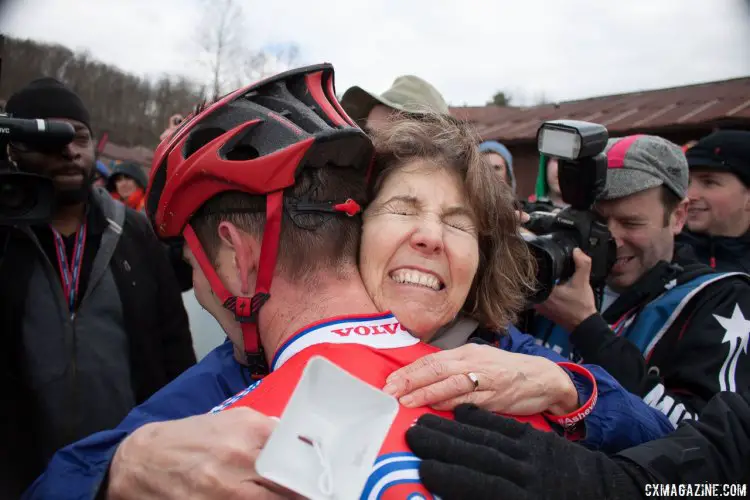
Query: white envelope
[329, 435]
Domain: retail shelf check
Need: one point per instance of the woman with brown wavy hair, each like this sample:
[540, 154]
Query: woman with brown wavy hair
[441, 249]
[432, 183]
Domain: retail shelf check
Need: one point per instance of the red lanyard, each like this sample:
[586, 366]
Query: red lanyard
[70, 274]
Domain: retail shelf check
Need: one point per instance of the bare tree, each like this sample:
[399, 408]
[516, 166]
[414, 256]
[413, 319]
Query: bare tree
[541, 99]
[220, 41]
[227, 50]
[259, 64]
[133, 111]
[286, 55]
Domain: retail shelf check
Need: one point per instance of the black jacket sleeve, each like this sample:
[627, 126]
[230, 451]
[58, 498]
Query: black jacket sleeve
[705, 351]
[170, 345]
[176, 342]
[713, 449]
[598, 345]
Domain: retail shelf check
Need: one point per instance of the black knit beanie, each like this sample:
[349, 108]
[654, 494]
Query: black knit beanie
[128, 169]
[723, 150]
[47, 98]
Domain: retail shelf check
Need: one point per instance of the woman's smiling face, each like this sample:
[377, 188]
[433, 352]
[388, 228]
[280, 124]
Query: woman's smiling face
[420, 252]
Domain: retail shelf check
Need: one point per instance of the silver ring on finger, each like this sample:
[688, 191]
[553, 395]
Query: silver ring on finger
[474, 380]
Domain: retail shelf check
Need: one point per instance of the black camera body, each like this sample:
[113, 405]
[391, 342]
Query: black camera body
[582, 173]
[556, 236]
[28, 198]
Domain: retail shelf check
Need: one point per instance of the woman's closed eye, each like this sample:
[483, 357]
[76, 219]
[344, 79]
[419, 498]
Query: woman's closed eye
[460, 223]
[399, 208]
[404, 211]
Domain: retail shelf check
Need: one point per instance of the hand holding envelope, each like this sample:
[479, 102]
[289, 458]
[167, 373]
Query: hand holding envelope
[206, 456]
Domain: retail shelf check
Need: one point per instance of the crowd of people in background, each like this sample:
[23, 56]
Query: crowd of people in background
[646, 381]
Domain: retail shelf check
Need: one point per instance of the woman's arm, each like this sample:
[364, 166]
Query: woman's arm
[619, 420]
[523, 378]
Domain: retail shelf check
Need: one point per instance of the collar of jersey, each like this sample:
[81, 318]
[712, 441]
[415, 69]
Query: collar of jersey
[322, 332]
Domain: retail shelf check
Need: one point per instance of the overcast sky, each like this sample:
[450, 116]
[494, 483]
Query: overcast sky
[469, 49]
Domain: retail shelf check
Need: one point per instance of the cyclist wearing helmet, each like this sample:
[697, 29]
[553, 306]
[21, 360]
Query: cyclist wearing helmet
[263, 186]
[87, 468]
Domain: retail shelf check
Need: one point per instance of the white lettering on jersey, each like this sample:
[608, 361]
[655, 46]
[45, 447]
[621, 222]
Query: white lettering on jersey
[379, 333]
[658, 399]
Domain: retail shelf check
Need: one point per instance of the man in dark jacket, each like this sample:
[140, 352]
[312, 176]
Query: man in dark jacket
[718, 224]
[669, 328]
[92, 318]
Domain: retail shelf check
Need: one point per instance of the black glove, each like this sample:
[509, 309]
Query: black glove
[482, 455]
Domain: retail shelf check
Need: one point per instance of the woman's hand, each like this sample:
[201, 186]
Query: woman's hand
[510, 383]
[204, 456]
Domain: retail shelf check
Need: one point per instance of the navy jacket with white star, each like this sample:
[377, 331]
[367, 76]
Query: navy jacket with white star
[677, 338]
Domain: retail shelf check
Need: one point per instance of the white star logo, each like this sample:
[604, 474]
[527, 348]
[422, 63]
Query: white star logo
[736, 335]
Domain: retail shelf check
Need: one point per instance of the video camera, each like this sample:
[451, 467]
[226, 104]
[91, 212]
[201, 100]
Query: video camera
[582, 173]
[28, 198]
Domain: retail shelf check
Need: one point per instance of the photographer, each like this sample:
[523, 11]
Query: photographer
[668, 328]
[91, 315]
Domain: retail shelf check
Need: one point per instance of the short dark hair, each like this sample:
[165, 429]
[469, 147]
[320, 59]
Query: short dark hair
[670, 201]
[309, 242]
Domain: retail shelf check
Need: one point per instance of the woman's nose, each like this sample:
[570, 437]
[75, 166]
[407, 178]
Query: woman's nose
[428, 238]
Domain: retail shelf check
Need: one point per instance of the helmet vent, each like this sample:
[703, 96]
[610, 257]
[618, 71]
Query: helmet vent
[242, 152]
[199, 138]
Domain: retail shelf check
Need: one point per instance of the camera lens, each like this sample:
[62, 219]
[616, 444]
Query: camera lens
[553, 253]
[15, 198]
[25, 198]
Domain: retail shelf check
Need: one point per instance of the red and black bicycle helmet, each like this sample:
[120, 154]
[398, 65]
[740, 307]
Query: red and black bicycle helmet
[255, 140]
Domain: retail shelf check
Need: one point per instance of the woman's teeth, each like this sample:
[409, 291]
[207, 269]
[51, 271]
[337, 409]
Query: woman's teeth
[416, 278]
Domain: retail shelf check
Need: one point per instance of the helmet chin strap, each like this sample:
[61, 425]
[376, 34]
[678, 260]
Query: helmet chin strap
[246, 309]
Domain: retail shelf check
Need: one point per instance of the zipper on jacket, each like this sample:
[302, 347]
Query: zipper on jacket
[68, 326]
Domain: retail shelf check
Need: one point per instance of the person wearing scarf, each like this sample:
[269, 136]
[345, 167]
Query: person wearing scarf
[128, 185]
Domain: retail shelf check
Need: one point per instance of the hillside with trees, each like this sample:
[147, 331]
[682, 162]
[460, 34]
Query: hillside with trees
[134, 111]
